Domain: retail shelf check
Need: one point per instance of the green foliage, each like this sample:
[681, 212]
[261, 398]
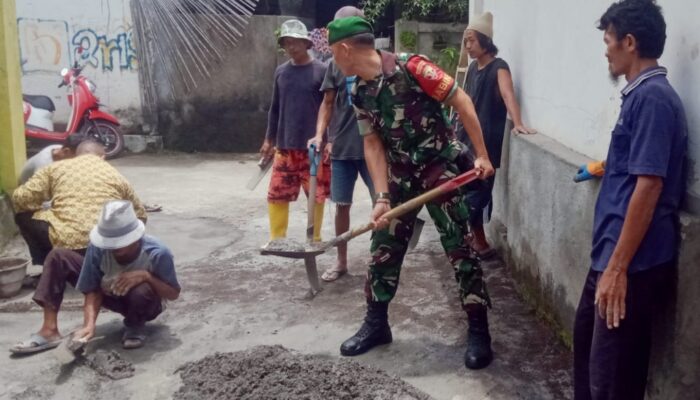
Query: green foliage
[448, 59]
[408, 40]
[374, 8]
[452, 10]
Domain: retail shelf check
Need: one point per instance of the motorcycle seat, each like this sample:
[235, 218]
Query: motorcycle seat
[38, 101]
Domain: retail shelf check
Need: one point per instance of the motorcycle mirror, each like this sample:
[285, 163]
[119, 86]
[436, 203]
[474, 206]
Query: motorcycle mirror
[64, 72]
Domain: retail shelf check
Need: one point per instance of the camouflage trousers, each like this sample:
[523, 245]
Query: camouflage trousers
[450, 214]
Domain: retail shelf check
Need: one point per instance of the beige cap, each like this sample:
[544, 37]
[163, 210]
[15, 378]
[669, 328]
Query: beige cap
[293, 28]
[483, 24]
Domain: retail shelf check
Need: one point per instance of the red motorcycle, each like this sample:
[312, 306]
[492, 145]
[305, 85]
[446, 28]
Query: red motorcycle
[86, 118]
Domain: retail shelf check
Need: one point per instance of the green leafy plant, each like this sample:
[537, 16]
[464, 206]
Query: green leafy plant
[408, 40]
[448, 59]
[443, 10]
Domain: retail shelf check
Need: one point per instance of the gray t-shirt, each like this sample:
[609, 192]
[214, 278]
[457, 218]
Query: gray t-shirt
[37, 162]
[100, 269]
[343, 131]
[296, 98]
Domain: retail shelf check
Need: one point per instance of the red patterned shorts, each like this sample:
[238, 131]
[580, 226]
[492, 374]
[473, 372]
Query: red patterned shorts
[290, 170]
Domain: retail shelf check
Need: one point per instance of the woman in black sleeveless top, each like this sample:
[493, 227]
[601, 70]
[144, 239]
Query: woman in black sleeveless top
[490, 86]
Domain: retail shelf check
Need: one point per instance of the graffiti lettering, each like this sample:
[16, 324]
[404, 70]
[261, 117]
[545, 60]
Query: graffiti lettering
[99, 51]
[45, 47]
[43, 44]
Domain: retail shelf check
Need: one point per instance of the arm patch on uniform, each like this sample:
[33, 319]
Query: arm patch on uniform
[434, 81]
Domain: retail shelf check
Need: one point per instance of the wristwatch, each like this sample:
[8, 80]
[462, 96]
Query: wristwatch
[383, 195]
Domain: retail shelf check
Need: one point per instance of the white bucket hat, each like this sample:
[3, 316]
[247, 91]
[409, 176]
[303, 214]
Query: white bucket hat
[118, 226]
[293, 28]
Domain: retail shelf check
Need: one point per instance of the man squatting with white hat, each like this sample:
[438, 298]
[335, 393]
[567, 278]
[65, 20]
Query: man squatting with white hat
[124, 270]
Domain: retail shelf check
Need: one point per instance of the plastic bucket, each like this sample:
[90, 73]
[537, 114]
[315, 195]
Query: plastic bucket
[12, 272]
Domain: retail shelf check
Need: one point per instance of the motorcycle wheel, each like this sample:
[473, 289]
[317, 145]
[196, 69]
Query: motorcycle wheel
[108, 134]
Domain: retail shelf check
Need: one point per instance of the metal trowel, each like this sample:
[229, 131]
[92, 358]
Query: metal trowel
[417, 229]
[70, 349]
[263, 166]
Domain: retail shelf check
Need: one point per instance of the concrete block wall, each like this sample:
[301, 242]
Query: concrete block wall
[542, 222]
[228, 111]
[426, 35]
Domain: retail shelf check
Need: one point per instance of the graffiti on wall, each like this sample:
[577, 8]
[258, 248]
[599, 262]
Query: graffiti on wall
[44, 44]
[48, 46]
[103, 52]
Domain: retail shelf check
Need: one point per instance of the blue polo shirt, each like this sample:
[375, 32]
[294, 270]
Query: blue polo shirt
[650, 138]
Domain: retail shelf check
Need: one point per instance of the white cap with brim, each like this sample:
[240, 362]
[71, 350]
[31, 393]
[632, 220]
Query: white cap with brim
[294, 28]
[482, 24]
[118, 226]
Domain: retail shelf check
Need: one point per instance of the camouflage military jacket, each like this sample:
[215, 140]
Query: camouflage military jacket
[403, 106]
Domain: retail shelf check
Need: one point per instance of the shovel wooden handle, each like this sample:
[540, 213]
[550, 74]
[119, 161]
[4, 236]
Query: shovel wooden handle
[410, 205]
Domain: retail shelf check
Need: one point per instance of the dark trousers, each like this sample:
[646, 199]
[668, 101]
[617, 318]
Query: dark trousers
[612, 364]
[480, 200]
[36, 234]
[139, 305]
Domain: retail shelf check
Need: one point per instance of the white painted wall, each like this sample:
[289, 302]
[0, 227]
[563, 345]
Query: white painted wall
[557, 59]
[51, 32]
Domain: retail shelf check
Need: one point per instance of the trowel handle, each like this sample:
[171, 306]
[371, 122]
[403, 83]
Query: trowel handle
[265, 161]
[314, 159]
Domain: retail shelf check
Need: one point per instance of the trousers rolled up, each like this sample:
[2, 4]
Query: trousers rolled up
[62, 266]
[450, 213]
[36, 234]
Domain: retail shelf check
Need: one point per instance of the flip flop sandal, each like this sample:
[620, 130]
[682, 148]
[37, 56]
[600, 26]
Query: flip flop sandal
[332, 275]
[153, 207]
[36, 343]
[133, 338]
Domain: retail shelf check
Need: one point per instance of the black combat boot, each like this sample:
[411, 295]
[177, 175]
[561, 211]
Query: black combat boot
[478, 354]
[374, 331]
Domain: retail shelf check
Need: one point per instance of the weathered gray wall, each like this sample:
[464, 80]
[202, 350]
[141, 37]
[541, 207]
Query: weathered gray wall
[426, 35]
[228, 111]
[542, 221]
[8, 229]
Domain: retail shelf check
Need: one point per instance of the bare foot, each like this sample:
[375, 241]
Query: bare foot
[333, 274]
[49, 334]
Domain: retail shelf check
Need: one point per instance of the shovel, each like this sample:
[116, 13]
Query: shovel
[310, 259]
[291, 249]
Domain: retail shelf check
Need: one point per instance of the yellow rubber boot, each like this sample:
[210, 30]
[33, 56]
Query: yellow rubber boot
[318, 221]
[279, 218]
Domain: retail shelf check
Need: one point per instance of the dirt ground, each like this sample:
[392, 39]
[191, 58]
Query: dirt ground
[234, 299]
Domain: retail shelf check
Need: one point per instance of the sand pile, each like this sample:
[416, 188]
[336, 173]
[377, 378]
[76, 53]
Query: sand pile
[273, 372]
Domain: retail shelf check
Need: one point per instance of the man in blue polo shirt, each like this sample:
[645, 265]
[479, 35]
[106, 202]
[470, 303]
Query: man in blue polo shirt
[635, 234]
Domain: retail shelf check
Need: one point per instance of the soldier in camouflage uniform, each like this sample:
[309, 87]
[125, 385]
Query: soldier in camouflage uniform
[410, 148]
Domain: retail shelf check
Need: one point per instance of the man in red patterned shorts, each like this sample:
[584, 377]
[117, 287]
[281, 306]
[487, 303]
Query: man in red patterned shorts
[296, 99]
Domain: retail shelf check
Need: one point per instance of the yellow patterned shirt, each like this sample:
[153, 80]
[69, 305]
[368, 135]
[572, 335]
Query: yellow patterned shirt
[77, 189]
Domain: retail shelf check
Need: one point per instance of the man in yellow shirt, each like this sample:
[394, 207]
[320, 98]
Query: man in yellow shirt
[77, 189]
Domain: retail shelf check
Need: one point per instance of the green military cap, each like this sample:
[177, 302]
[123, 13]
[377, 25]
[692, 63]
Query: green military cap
[344, 28]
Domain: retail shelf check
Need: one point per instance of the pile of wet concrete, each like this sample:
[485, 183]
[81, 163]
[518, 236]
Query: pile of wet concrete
[273, 372]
